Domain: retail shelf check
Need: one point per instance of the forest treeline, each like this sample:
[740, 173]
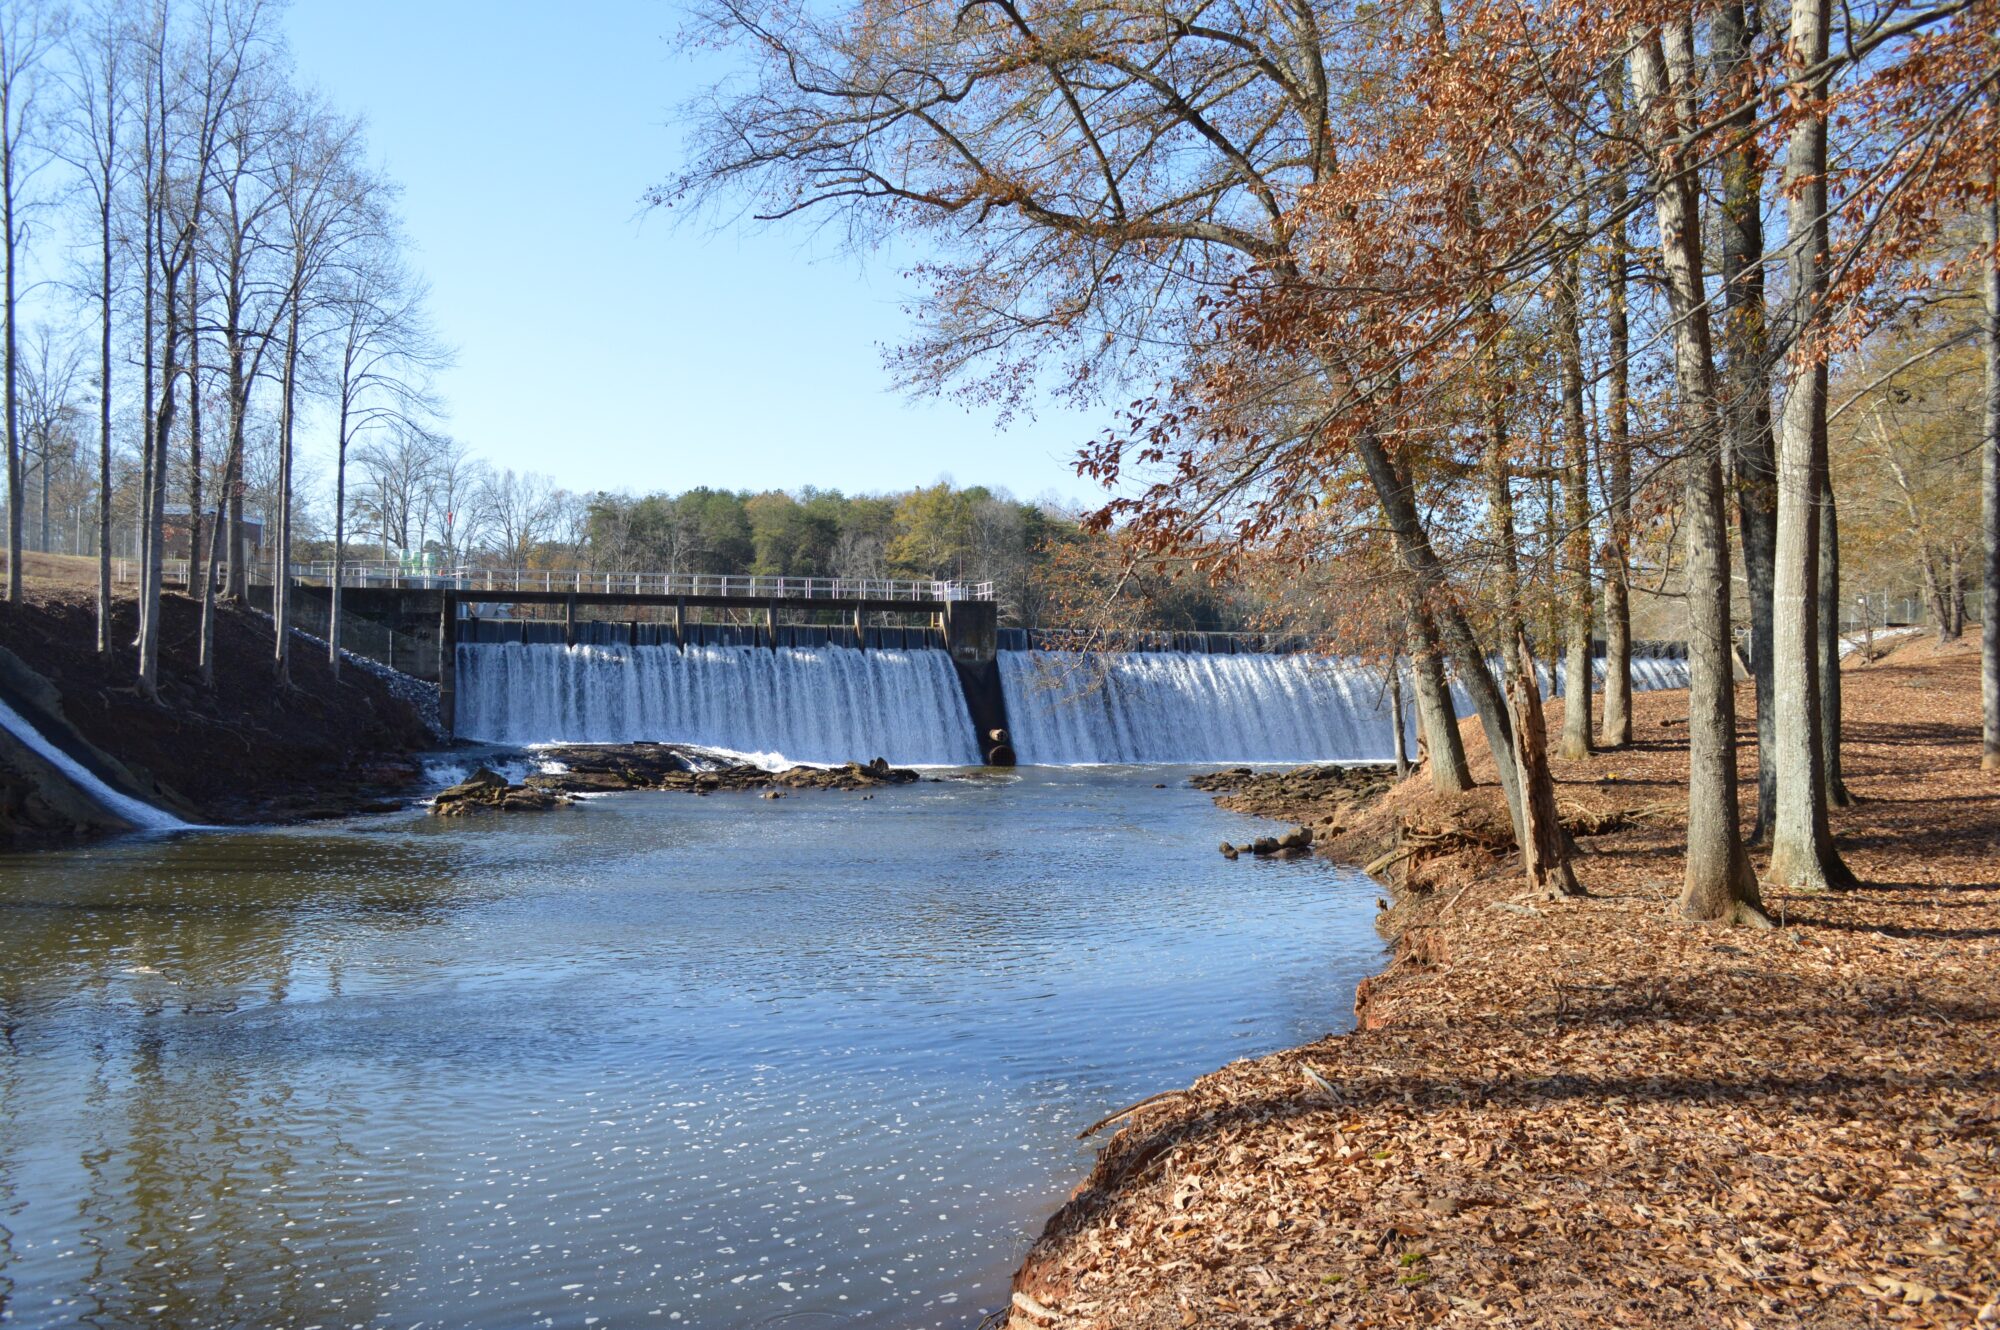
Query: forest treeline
[1455, 325]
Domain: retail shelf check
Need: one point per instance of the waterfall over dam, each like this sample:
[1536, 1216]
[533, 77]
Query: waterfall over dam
[806, 704]
[1175, 706]
[831, 704]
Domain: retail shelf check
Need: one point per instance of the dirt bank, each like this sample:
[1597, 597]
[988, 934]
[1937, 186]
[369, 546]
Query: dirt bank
[246, 750]
[1589, 1114]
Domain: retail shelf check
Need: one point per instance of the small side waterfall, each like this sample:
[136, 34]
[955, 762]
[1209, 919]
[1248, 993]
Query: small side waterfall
[806, 704]
[139, 813]
[1174, 706]
[1171, 706]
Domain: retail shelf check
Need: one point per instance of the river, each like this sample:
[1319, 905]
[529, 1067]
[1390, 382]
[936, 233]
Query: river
[652, 1060]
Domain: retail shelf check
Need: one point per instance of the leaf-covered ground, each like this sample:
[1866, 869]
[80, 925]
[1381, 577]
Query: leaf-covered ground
[1588, 1114]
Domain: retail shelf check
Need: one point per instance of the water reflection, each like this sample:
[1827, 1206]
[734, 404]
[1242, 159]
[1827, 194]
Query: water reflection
[700, 1061]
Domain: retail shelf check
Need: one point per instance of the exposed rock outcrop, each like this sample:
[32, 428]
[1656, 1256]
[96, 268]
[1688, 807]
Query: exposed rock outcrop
[603, 768]
[488, 791]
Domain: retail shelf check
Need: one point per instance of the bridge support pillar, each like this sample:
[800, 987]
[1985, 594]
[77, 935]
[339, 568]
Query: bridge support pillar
[972, 636]
[680, 622]
[448, 666]
[972, 631]
[986, 702]
[569, 622]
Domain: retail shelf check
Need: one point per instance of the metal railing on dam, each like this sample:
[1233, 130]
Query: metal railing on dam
[746, 587]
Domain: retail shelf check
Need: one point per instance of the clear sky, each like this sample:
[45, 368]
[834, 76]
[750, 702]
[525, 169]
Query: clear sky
[608, 347]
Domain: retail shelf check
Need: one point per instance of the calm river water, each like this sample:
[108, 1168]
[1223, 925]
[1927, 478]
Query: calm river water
[654, 1060]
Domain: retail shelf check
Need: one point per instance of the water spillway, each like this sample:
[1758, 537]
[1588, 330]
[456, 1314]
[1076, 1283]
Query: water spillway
[138, 813]
[807, 704]
[838, 704]
[1178, 706]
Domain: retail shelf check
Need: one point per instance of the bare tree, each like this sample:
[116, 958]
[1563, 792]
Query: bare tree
[48, 390]
[395, 484]
[323, 198]
[1989, 480]
[28, 30]
[457, 479]
[518, 508]
[386, 353]
[1616, 723]
[100, 106]
[244, 251]
[191, 88]
[1746, 403]
[1719, 883]
[1802, 853]
[1575, 476]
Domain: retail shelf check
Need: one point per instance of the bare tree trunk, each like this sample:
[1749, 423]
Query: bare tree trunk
[236, 573]
[1719, 883]
[1957, 590]
[1802, 853]
[154, 572]
[1545, 849]
[1392, 490]
[194, 431]
[1989, 492]
[1747, 404]
[1934, 596]
[281, 563]
[142, 515]
[1500, 514]
[1615, 728]
[10, 319]
[104, 430]
[1575, 586]
[162, 417]
[1402, 746]
[339, 541]
[48, 470]
[1828, 656]
[1551, 634]
[1439, 719]
[217, 535]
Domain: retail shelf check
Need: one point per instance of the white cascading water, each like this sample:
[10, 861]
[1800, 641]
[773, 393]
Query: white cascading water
[836, 704]
[141, 815]
[1173, 706]
[799, 704]
[1168, 706]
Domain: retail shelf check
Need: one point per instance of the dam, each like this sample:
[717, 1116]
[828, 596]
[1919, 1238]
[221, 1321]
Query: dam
[920, 674]
[805, 694]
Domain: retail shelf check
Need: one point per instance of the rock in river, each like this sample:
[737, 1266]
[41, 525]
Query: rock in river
[485, 789]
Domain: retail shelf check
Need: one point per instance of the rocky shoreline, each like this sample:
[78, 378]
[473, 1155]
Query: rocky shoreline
[1321, 799]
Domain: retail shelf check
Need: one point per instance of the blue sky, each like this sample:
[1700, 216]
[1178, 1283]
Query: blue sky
[611, 348]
